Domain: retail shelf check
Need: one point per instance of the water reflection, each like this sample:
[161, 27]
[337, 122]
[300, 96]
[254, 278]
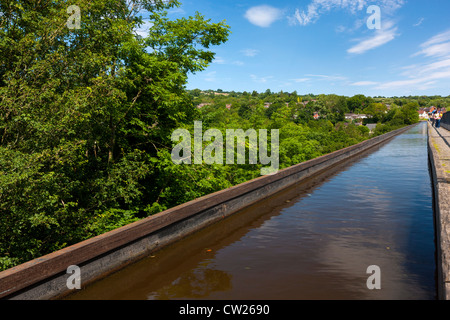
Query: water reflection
[312, 241]
[194, 284]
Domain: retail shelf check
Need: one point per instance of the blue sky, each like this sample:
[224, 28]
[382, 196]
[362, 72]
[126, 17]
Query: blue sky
[326, 46]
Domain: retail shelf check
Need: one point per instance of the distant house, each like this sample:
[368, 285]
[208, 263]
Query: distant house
[316, 115]
[350, 116]
[423, 114]
[353, 116]
[371, 127]
[228, 106]
[306, 102]
[433, 108]
[201, 105]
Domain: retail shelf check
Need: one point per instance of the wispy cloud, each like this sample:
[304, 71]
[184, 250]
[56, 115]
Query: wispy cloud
[221, 60]
[326, 77]
[437, 46]
[319, 77]
[364, 83]
[419, 22]
[356, 25]
[144, 29]
[260, 79]
[301, 80]
[211, 76]
[317, 8]
[250, 52]
[387, 33]
[263, 16]
[435, 69]
[176, 10]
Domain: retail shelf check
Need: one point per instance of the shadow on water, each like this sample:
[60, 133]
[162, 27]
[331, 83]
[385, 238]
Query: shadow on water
[314, 240]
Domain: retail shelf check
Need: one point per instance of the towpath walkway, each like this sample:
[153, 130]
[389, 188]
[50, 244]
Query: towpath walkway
[439, 154]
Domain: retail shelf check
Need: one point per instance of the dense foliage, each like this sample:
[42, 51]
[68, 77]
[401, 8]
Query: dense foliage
[84, 114]
[86, 117]
[302, 135]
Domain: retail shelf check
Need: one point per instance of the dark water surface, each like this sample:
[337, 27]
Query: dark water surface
[312, 241]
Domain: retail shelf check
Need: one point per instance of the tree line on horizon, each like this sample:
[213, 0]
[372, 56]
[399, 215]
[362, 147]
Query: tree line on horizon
[332, 107]
[422, 100]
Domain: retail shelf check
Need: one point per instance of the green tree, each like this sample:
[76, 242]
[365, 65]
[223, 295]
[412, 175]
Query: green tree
[274, 107]
[86, 115]
[409, 113]
[377, 111]
[358, 101]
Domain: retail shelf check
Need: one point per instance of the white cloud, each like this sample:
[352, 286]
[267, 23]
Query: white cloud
[316, 8]
[301, 80]
[144, 29]
[437, 46]
[387, 33]
[419, 22]
[263, 16]
[404, 84]
[356, 25]
[364, 83]
[434, 70]
[260, 79]
[219, 60]
[437, 50]
[326, 77]
[390, 6]
[439, 38]
[340, 29]
[319, 7]
[431, 67]
[304, 18]
[211, 76]
[285, 85]
[250, 52]
[176, 10]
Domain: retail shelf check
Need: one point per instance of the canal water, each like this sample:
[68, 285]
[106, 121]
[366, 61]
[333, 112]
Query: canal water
[315, 240]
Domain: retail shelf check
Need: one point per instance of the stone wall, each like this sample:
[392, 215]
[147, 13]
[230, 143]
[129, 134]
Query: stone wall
[439, 156]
